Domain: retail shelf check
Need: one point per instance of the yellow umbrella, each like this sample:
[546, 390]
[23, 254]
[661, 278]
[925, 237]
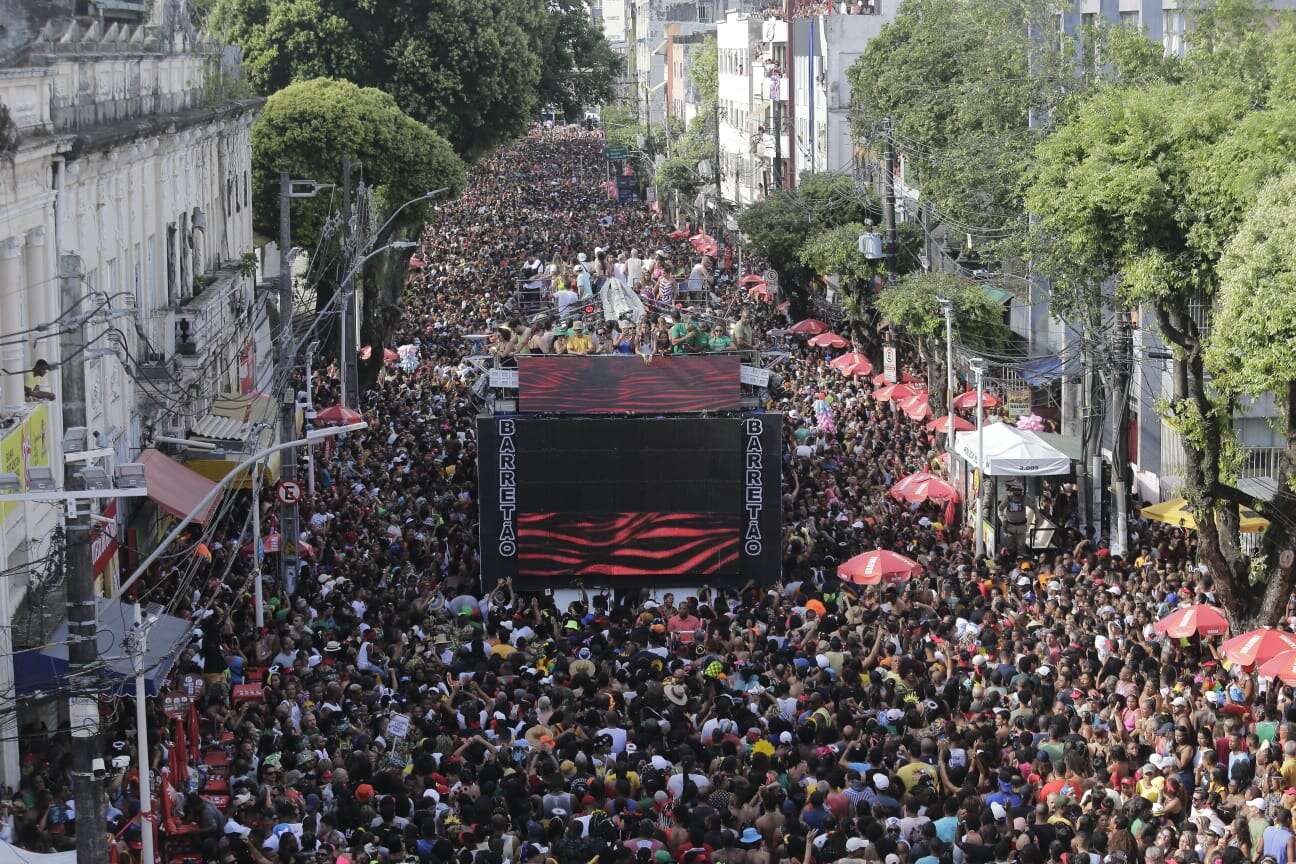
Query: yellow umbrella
[1175, 512]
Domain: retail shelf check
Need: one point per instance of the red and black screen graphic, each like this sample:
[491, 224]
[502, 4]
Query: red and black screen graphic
[616, 384]
[626, 501]
[557, 545]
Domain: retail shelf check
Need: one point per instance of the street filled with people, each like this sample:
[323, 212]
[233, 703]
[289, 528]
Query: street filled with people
[1018, 707]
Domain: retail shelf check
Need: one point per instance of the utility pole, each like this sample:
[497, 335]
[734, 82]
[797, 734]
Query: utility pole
[1122, 362]
[88, 768]
[288, 530]
[138, 645]
[983, 482]
[719, 194]
[778, 143]
[350, 359]
[1084, 481]
[888, 205]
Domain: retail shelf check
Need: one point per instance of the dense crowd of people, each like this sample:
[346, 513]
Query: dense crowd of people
[1006, 709]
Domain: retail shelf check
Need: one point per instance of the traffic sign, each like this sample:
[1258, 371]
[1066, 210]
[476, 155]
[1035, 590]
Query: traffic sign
[615, 154]
[288, 492]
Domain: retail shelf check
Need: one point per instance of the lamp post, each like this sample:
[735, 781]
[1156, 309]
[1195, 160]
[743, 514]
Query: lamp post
[947, 306]
[978, 369]
[311, 436]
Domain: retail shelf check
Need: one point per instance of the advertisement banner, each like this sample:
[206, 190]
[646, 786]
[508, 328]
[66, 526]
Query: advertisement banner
[103, 541]
[36, 443]
[11, 462]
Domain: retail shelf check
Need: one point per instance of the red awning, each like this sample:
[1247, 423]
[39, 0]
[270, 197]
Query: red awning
[175, 488]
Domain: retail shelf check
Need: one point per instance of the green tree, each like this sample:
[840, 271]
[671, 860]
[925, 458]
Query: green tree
[704, 70]
[1150, 182]
[835, 251]
[470, 70]
[305, 129]
[912, 305]
[578, 69]
[958, 82]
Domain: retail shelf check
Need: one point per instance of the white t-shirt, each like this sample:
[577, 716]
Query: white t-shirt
[618, 737]
[634, 270]
[565, 299]
[675, 785]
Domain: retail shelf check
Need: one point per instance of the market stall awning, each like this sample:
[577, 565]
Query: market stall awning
[175, 488]
[1001, 295]
[1011, 452]
[235, 439]
[46, 669]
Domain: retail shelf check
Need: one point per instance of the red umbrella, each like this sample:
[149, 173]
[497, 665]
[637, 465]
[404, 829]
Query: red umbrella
[923, 486]
[894, 393]
[390, 356]
[828, 340]
[1281, 666]
[761, 292]
[752, 279]
[967, 401]
[366, 352]
[941, 424]
[872, 568]
[808, 327]
[1257, 646]
[859, 369]
[850, 358]
[916, 406]
[704, 244]
[677, 234]
[1197, 620]
[336, 415]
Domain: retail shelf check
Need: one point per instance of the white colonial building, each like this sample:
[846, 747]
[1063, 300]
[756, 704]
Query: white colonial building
[125, 146]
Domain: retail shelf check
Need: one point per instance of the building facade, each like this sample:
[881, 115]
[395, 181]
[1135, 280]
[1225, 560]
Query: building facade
[132, 152]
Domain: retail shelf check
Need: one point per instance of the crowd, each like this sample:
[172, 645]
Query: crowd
[1013, 709]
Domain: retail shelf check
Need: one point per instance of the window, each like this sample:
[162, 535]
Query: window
[1130, 19]
[1172, 31]
[171, 263]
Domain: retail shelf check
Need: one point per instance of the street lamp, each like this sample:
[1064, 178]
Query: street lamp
[311, 436]
[978, 369]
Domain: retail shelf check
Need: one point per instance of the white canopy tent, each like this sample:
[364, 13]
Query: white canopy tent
[1011, 452]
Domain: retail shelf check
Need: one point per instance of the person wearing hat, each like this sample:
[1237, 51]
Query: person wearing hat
[578, 342]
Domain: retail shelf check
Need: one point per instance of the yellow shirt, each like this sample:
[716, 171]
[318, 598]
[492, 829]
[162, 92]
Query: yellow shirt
[1150, 789]
[579, 343]
[908, 774]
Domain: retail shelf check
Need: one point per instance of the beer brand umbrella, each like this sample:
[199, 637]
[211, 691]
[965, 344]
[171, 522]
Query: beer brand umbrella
[1196, 620]
[1257, 646]
[828, 340]
[941, 424]
[336, 415]
[808, 327]
[966, 401]
[880, 565]
[923, 486]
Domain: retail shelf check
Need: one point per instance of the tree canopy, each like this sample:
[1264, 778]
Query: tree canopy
[1256, 353]
[306, 128]
[475, 72]
[1168, 183]
[954, 81]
